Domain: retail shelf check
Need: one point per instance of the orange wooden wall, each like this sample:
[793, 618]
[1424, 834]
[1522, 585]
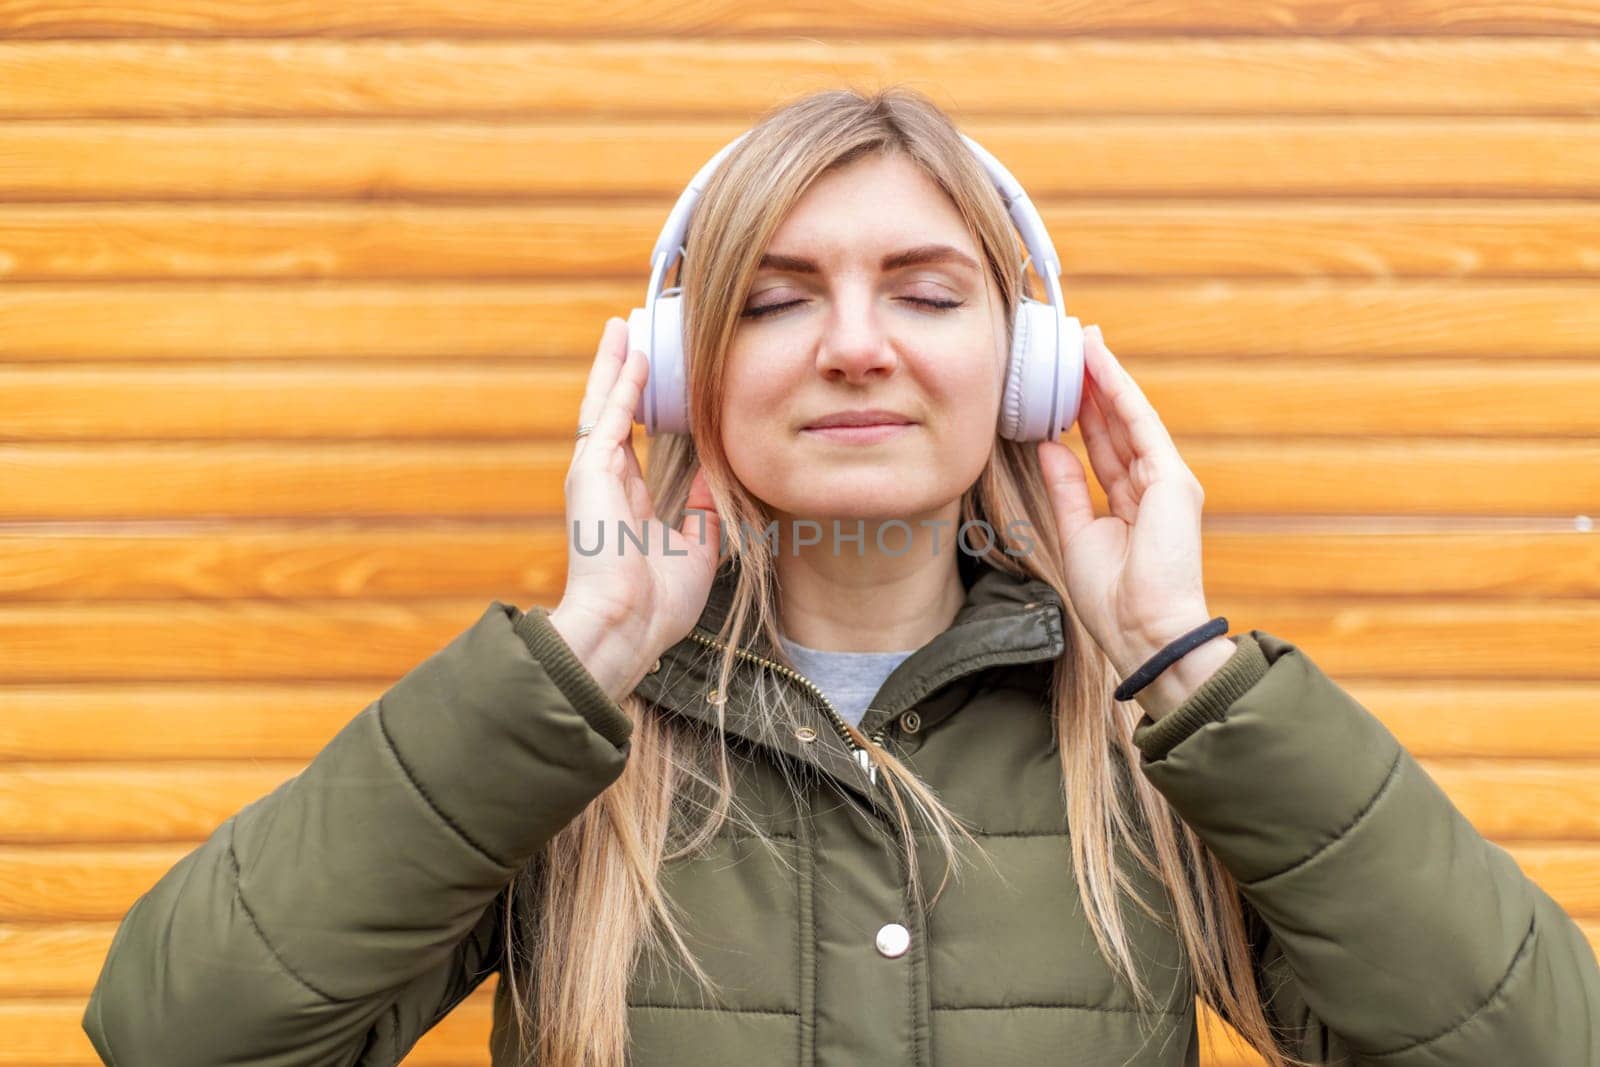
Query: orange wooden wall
[297, 300]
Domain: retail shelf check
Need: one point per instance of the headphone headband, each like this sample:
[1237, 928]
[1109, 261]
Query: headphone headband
[1044, 372]
[1023, 214]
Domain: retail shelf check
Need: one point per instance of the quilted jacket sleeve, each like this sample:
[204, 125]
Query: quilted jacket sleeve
[337, 918]
[1408, 938]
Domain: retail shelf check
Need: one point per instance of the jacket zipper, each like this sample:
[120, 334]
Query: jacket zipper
[839, 725]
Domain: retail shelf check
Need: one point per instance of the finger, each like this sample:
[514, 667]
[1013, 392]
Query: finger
[1110, 465]
[614, 424]
[1103, 373]
[1126, 407]
[1094, 396]
[1113, 465]
[638, 492]
[1069, 488]
[603, 373]
[605, 368]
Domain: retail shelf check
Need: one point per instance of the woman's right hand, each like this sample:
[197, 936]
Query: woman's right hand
[619, 612]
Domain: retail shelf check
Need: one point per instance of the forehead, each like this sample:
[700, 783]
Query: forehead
[878, 206]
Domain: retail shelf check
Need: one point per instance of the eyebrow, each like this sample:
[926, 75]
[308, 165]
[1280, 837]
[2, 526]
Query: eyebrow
[909, 257]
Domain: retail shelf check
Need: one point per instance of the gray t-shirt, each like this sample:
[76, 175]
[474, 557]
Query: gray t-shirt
[850, 679]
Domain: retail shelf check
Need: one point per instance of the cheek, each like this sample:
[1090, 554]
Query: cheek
[975, 385]
[759, 385]
[748, 402]
[754, 414]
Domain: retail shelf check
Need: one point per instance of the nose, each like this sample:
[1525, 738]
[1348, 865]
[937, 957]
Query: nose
[854, 344]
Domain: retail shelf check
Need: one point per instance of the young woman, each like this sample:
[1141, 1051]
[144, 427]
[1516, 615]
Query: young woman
[862, 793]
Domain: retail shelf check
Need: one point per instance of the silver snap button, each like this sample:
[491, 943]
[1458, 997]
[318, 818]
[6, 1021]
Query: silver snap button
[893, 940]
[713, 696]
[806, 734]
[1031, 604]
[911, 722]
[656, 666]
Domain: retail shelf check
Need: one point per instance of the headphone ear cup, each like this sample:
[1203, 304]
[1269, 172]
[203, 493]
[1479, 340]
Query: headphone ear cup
[1072, 374]
[663, 405]
[1011, 401]
[1044, 380]
[639, 337]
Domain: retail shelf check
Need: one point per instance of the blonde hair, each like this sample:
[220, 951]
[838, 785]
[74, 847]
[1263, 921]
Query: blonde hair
[591, 901]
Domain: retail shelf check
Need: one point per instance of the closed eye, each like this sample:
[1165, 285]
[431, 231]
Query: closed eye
[936, 305]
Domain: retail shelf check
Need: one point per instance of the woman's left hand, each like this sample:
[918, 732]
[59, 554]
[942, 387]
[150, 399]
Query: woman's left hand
[1133, 575]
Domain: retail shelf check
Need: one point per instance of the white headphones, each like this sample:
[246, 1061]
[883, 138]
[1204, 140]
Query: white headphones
[1044, 378]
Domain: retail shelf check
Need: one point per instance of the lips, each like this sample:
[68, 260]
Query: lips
[872, 417]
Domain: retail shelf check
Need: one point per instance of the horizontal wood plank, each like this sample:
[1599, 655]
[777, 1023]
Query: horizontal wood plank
[492, 401]
[536, 321]
[42, 804]
[42, 885]
[397, 18]
[300, 641]
[153, 721]
[1376, 238]
[86, 722]
[598, 78]
[54, 1032]
[522, 561]
[71, 884]
[229, 479]
[1153, 156]
[43, 1032]
[522, 321]
[525, 560]
[1409, 639]
[484, 401]
[302, 479]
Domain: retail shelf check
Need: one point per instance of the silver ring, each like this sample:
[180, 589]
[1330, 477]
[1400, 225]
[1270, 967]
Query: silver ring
[584, 428]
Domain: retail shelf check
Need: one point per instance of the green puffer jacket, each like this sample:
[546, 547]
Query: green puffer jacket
[339, 917]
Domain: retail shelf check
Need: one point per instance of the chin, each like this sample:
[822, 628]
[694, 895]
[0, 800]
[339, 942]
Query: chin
[870, 500]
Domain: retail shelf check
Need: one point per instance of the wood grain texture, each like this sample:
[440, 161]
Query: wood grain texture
[297, 301]
[1099, 239]
[1157, 156]
[1042, 76]
[524, 560]
[62, 804]
[495, 401]
[1260, 322]
[50, 886]
[308, 640]
[401, 18]
[248, 480]
[54, 1034]
[156, 722]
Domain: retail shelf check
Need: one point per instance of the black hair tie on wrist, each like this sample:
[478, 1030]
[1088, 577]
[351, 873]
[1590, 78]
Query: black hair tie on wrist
[1159, 662]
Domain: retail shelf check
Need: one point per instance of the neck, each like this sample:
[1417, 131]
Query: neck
[832, 599]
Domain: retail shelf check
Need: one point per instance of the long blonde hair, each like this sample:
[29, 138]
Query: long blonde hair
[591, 902]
